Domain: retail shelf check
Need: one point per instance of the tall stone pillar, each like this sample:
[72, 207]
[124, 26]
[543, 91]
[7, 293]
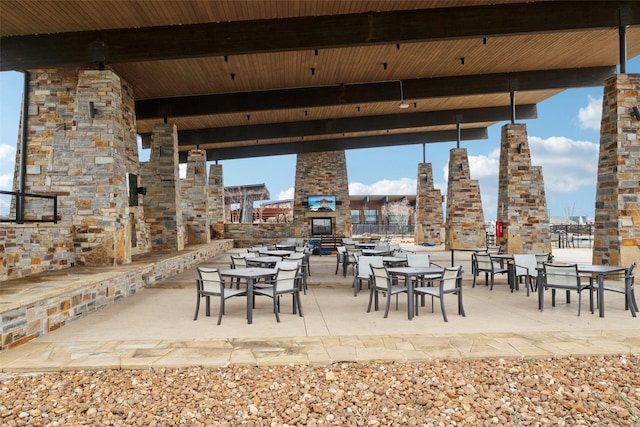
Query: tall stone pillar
[80, 137]
[429, 219]
[215, 196]
[522, 203]
[194, 198]
[321, 174]
[617, 221]
[163, 205]
[465, 218]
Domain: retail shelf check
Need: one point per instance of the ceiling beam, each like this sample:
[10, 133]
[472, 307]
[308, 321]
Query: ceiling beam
[194, 137]
[322, 96]
[263, 150]
[302, 33]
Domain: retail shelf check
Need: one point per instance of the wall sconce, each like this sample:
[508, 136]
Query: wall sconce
[92, 110]
[461, 167]
[635, 112]
[141, 190]
[519, 148]
[423, 177]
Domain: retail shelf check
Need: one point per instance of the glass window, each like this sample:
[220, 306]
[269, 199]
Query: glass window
[370, 216]
[355, 217]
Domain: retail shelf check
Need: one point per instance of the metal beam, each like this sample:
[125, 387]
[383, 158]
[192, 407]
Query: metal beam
[302, 33]
[323, 96]
[348, 125]
[262, 150]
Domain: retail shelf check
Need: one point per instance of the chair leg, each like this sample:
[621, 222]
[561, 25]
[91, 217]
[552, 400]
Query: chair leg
[444, 314]
[296, 297]
[460, 306]
[208, 305]
[221, 311]
[373, 289]
[195, 316]
[276, 308]
[386, 311]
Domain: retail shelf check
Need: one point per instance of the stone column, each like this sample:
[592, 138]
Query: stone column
[465, 218]
[194, 198]
[617, 221]
[81, 132]
[429, 219]
[163, 205]
[215, 196]
[522, 203]
[321, 174]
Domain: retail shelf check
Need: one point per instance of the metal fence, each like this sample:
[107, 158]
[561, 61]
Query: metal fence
[384, 229]
[572, 235]
[41, 208]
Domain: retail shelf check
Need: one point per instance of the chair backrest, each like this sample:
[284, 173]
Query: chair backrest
[541, 257]
[365, 262]
[483, 261]
[353, 254]
[526, 264]
[286, 276]
[380, 276]
[239, 261]
[350, 246]
[210, 280]
[418, 260]
[451, 278]
[561, 274]
[494, 249]
[381, 246]
[629, 275]
[295, 255]
[341, 249]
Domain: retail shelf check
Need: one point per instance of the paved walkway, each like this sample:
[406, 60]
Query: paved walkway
[155, 327]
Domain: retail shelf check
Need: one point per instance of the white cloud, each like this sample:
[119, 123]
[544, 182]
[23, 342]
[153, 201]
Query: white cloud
[6, 181]
[566, 164]
[590, 116]
[286, 194]
[403, 186]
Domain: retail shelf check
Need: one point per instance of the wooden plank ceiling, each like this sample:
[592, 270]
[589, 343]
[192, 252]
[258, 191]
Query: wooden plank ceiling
[264, 77]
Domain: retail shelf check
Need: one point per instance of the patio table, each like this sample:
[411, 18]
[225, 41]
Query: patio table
[250, 275]
[263, 261]
[414, 272]
[277, 252]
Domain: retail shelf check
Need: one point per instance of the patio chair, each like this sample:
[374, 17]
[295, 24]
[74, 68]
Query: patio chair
[628, 290]
[350, 258]
[564, 276]
[286, 281]
[240, 261]
[299, 258]
[362, 271]
[526, 269]
[450, 283]
[382, 282]
[210, 284]
[482, 262]
[340, 254]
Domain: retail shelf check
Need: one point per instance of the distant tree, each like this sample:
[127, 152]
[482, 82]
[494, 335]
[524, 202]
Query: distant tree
[398, 213]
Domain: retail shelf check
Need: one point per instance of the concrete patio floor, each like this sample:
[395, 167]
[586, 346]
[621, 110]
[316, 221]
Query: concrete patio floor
[155, 327]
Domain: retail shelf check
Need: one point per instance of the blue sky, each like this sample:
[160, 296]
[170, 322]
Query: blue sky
[563, 140]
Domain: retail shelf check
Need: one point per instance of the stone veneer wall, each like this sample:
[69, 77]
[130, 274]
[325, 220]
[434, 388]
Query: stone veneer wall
[464, 227]
[27, 249]
[163, 204]
[522, 203]
[245, 235]
[429, 218]
[47, 312]
[194, 196]
[322, 173]
[617, 220]
[215, 200]
[82, 157]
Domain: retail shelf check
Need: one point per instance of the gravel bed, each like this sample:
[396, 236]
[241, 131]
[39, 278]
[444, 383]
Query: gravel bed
[585, 391]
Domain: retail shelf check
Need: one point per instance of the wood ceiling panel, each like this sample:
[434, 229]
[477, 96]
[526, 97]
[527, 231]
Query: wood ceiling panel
[364, 64]
[18, 17]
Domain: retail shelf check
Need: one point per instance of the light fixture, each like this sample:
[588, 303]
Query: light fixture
[402, 103]
[635, 112]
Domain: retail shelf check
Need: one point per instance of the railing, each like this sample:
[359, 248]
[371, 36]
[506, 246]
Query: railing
[13, 203]
[383, 229]
[572, 235]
